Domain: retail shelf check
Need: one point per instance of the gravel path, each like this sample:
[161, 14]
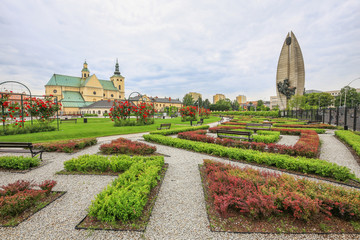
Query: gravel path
[179, 212]
[333, 150]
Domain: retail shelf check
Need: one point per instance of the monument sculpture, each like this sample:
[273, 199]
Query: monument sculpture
[290, 76]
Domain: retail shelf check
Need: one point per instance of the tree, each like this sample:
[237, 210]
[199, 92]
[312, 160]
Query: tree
[352, 97]
[198, 103]
[316, 100]
[206, 104]
[297, 102]
[188, 100]
[260, 103]
[221, 105]
[235, 105]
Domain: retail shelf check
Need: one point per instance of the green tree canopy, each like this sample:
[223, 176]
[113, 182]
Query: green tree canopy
[188, 100]
[352, 97]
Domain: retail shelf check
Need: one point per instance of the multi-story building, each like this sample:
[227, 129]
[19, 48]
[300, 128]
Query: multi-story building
[160, 104]
[218, 97]
[241, 99]
[77, 92]
[195, 95]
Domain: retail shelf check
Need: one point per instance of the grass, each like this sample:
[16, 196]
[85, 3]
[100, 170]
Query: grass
[95, 127]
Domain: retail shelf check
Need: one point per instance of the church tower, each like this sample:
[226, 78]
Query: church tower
[85, 71]
[118, 81]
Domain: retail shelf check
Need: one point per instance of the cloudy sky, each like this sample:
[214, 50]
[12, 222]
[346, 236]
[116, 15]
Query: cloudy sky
[169, 48]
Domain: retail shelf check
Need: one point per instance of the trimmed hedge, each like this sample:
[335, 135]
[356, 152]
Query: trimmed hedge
[88, 163]
[125, 198]
[175, 131]
[299, 164]
[18, 162]
[350, 138]
[250, 113]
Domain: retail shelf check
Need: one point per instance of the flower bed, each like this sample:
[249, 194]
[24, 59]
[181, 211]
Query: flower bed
[125, 146]
[350, 138]
[122, 203]
[67, 145]
[253, 195]
[307, 146]
[299, 164]
[19, 200]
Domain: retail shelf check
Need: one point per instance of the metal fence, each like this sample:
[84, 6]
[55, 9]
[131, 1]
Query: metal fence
[349, 118]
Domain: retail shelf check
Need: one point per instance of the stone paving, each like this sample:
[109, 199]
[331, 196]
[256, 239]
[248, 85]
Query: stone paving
[179, 212]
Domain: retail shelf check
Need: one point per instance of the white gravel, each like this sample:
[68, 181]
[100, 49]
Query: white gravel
[179, 211]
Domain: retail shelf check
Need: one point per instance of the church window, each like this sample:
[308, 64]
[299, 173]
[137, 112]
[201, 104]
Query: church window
[94, 93]
[119, 87]
[112, 95]
[104, 94]
[55, 91]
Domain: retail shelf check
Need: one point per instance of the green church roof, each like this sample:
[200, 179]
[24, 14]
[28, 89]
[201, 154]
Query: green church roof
[70, 96]
[107, 85]
[73, 99]
[69, 81]
[62, 80]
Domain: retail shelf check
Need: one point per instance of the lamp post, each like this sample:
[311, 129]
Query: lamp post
[345, 126]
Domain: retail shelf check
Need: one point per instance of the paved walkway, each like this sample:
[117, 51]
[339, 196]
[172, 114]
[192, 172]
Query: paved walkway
[179, 211]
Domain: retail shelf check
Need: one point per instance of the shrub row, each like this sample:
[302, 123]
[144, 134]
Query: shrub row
[27, 129]
[125, 146]
[125, 198]
[307, 146]
[250, 113]
[284, 131]
[18, 162]
[350, 138]
[261, 194]
[299, 164]
[166, 132]
[321, 125]
[16, 197]
[67, 146]
[88, 163]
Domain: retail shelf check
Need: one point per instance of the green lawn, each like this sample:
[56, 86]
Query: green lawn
[95, 127]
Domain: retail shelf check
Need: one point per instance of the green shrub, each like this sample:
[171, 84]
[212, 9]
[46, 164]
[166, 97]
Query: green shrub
[125, 198]
[18, 162]
[89, 163]
[299, 164]
[350, 138]
[27, 129]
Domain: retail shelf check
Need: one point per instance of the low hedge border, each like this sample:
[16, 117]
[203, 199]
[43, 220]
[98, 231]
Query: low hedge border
[299, 164]
[125, 198]
[175, 131]
[19, 162]
[352, 139]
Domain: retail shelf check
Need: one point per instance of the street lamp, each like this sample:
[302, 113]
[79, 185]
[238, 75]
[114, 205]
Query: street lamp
[345, 126]
[348, 86]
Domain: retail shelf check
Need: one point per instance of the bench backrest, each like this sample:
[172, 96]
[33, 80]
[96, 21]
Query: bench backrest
[233, 132]
[259, 124]
[15, 144]
[165, 125]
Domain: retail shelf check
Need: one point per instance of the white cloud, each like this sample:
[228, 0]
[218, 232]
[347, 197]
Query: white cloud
[169, 48]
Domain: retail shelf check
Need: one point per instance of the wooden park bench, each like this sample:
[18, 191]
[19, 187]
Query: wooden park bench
[164, 126]
[258, 126]
[223, 133]
[66, 119]
[173, 115]
[4, 147]
[313, 122]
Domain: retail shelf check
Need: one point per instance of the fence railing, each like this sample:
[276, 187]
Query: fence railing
[349, 118]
